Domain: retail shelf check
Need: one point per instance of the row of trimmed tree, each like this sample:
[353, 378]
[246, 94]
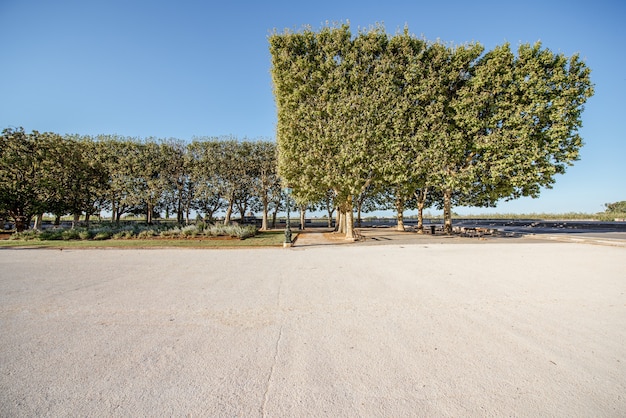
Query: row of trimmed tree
[82, 175]
[367, 114]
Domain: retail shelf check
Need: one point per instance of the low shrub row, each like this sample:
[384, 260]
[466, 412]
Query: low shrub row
[138, 232]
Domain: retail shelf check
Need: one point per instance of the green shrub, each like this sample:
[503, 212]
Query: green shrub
[125, 234]
[51, 235]
[26, 235]
[189, 231]
[102, 235]
[216, 230]
[70, 234]
[86, 234]
[242, 232]
[170, 233]
[235, 231]
[146, 233]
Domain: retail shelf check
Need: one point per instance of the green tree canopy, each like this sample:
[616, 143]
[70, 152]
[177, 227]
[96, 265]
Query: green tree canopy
[379, 112]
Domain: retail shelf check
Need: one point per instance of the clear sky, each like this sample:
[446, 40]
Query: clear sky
[202, 68]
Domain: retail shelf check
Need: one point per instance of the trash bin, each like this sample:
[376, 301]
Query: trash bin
[432, 229]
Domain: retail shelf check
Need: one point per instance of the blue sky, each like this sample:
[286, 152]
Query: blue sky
[201, 68]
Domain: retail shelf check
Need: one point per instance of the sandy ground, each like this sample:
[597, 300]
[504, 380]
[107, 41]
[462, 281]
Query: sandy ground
[521, 329]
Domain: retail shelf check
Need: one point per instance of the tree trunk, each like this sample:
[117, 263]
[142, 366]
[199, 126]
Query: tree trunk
[149, 214]
[358, 214]
[400, 214]
[87, 216]
[274, 214]
[38, 222]
[242, 209]
[75, 220]
[447, 211]
[421, 201]
[302, 216]
[113, 211]
[179, 210]
[265, 202]
[340, 226]
[349, 215]
[229, 211]
[330, 209]
[20, 222]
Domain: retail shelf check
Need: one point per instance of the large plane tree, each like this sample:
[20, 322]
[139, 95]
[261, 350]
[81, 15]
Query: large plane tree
[379, 112]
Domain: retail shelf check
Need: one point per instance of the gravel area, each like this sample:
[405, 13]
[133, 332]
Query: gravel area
[418, 329]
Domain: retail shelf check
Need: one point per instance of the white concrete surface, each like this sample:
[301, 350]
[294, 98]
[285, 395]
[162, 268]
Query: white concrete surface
[325, 331]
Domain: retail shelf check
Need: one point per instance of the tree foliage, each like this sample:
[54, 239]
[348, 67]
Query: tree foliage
[365, 120]
[616, 207]
[47, 173]
[31, 178]
[403, 116]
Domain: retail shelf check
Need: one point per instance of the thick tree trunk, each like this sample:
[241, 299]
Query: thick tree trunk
[349, 215]
[87, 216]
[20, 222]
[447, 211]
[400, 214]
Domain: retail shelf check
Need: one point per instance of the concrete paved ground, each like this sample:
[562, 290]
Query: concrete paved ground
[405, 329]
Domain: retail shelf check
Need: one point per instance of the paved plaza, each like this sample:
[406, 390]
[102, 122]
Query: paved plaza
[411, 328]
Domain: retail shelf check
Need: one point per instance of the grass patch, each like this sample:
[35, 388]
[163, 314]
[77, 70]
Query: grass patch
[262, 239]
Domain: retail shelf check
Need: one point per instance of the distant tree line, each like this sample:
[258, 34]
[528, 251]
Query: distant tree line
[82, 175]
[421, 123]
[616, 207]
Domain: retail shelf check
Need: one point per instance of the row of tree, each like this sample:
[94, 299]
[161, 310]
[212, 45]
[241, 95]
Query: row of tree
[72, 174]
[428, 123]
[362, 121]
[46, 173]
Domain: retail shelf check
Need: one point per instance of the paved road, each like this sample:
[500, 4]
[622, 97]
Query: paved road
[567, 230]
[606, 233]
[404, 329]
